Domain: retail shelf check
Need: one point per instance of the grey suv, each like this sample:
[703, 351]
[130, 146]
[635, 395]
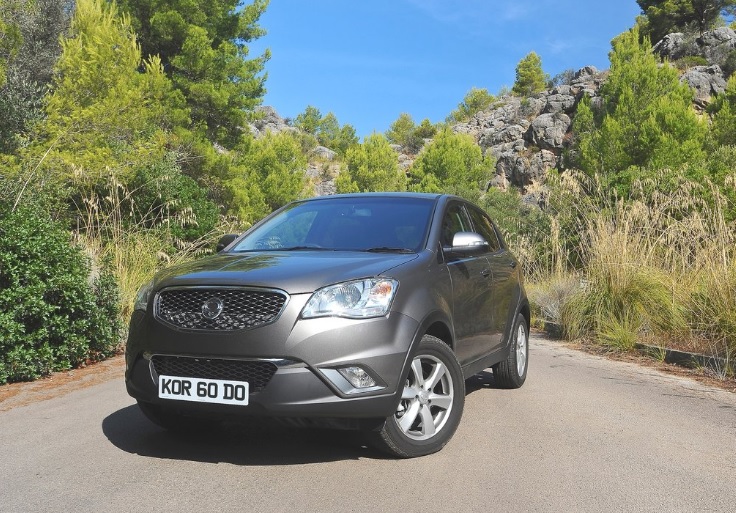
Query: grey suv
[364, 311]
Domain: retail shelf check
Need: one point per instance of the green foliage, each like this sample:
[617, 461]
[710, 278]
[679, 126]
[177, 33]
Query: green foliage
[161, 194]
[665, 16]
[202, 45]
[401, 130]
[309, 120]
[326, 129]
[53, 316]
[648, 120]
[29, 46]
[103, 114]
[526, 229]
[723, 110]
[475, 100]
[337, 138]
[690, 61]
[729, 67]
[408, 135]
[453, 164]
[269, 173]
[371, 167]
[530, 78]
[563, 78]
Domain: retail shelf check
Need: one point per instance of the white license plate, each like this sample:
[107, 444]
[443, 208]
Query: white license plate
[203, 390]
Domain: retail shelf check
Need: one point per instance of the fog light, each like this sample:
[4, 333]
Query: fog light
[357, 377]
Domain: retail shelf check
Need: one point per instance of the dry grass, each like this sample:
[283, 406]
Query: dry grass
[661, 266]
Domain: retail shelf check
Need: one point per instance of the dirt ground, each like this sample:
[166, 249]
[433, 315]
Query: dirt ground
[61, 383]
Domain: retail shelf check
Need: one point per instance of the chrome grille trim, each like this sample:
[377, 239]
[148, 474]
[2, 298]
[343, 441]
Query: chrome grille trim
[242, 307]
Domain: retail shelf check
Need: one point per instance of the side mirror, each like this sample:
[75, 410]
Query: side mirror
[469, 243]
[225, 241]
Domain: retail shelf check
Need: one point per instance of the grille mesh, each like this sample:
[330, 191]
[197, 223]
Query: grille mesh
[241, 308]
[256, 373]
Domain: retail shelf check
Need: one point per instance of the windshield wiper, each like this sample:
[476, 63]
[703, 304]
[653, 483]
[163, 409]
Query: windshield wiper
[386, 249]
[298, 248]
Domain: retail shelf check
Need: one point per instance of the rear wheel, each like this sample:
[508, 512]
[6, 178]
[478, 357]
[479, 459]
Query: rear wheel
[511, 373]
[431, 404]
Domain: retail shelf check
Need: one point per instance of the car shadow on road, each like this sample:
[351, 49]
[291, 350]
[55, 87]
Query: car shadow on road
[241, 444]
[482, 381]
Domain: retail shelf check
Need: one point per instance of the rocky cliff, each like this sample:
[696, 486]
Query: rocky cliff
[527, 136]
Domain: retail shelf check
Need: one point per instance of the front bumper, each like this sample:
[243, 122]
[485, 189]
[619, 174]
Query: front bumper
[305, 353]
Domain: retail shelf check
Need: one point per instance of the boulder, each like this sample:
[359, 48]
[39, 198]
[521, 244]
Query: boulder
[521, 170]
[548, 131]
[716, 45]
[672, 46]
[707, 81]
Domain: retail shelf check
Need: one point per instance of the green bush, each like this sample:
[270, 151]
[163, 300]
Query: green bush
[53, 314]
[690, 61]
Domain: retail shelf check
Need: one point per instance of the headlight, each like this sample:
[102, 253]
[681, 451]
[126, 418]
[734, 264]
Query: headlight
[141, 299]
[358, 299]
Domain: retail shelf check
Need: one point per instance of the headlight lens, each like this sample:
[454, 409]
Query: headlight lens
[141, 299]
[358, 299]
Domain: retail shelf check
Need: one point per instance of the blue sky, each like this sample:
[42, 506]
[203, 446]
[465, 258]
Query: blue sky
[367, 61]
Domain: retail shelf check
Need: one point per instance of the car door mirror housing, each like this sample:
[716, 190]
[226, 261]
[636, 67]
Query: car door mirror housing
[469, 243]
[225, 241]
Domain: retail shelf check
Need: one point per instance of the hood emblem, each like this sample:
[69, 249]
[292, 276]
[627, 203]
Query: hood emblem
[212, 308]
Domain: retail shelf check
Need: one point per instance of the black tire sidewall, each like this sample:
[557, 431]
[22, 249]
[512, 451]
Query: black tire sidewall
[408, 447]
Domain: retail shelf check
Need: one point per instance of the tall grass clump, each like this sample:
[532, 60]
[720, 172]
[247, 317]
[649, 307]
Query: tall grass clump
[138, 238]
[658, 265]
[626, 290]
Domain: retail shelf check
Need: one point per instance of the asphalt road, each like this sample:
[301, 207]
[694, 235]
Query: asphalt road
[583, 434]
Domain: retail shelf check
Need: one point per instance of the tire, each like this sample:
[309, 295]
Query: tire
[511, 373]
[430, 407]
[171, 420]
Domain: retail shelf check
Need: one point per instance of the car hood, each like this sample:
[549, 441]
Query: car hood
[294, 272]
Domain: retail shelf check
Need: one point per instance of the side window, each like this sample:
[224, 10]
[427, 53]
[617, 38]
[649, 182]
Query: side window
[455, 220]
[484, 227]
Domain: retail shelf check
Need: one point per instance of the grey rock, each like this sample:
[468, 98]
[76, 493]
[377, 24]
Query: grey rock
[586, 72]
[521, 169]
[324, 153]
[548, 131]
[672, 46]
[269, 121]
[716, 45]
[707, 81]
[559, 103]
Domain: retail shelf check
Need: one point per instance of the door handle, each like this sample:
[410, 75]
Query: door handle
[485, 273]
[513, 264]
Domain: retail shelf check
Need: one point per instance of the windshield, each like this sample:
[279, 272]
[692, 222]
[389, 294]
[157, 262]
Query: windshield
[345, 224]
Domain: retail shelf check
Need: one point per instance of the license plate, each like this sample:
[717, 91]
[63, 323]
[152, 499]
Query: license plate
[203, 390]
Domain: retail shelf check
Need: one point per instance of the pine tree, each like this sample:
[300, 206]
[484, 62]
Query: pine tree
[666, 16]
[648, 120]
[104, 116]
[530, 78]
[371, 167]
[475, 100]
[453, 164]
[202, 45]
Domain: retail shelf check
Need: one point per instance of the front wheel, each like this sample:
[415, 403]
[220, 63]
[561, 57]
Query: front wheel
[511, 373]
[431, 404]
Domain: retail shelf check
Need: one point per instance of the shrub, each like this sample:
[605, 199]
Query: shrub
[54, 314]
[690, 61]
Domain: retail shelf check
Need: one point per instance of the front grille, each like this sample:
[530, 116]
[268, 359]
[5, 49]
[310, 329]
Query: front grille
[219, 309]
[256, 373]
